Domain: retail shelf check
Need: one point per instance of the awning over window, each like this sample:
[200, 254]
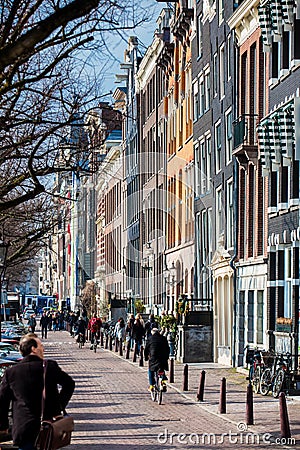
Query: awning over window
[274, 16]
[277, 138]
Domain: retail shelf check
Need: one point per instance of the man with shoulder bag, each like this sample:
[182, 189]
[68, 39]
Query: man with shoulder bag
[32, 387]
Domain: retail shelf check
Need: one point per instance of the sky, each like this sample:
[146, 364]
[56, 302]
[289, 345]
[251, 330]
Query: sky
[108, 63]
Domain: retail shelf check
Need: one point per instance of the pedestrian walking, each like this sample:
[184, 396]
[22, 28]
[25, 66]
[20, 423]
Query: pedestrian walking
[32, 323]
[149, 325]
[138, 333]
[22, 385]
[44, 325]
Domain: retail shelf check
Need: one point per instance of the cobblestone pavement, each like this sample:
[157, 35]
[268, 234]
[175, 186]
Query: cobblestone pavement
[113, 410]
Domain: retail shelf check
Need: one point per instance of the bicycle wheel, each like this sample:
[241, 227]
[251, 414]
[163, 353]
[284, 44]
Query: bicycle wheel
[265, 381]
[251, 372]
[153, 394]
[159, 391]
[256, 379]
[278, 383]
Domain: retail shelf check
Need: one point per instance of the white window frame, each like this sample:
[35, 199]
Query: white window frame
[228, 137]
[229, 214]
[219, 213]
[218, 146]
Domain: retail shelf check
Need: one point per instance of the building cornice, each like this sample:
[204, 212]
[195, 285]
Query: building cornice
[245, 20]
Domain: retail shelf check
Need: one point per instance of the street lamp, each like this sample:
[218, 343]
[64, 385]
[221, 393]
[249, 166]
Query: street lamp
[170, 275]
[3, 256]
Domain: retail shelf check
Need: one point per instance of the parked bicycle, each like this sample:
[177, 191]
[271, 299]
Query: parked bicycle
[283, 379]
[159, 386]
[256, 370]
[277, 377]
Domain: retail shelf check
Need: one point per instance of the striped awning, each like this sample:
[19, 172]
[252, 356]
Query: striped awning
[276, 137]
[274, 16]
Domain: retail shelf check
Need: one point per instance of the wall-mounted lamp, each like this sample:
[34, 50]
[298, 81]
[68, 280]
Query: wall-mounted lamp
[170, 275]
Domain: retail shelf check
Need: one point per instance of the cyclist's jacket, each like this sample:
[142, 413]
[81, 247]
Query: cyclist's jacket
[94, 324]
[157, 351]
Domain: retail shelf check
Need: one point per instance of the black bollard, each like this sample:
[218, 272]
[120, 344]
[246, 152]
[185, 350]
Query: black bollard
[127, 350]
[200, 393]
[222, 405]
[116, 344]
[106, 342]
[134, 353]
[249, 405]
[110, 343]
[185, 384]
[121, 347]
[141, 363]
[285, 430]
[101, 339]
[171, 370]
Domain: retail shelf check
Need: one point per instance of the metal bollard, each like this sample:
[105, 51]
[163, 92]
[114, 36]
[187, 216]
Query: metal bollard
[110, 343]
[222, 404]
[106, 342]
[171, 370]
[127, 350]
[134, 353]
[141, 363]
[185, 384]
[249, 405]
[285, 430]
[200, 393]
[121, 347]
[101, 338]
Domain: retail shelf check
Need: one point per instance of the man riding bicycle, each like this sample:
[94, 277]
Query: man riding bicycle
[94, 326]
[157, 351]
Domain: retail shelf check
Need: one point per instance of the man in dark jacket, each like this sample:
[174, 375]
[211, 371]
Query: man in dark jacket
[44, 325]
[157, 352]
[22, 385]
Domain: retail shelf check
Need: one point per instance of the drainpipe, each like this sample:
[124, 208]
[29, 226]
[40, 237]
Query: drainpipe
[232, 261]
[235, 209]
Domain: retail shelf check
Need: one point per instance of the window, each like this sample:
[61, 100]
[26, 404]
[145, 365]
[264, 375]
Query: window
[228, 57]
[202, 96]
[199, 35]
[207, 91]
[260, 318]
[229, 215]
[218, 146]
[203, 167]
[197, 170]
[229, 140]
[196, 101]
[219, 213]
[215, 74]
[222, 72]
[208, 161]
[250, 336]
[221, 11]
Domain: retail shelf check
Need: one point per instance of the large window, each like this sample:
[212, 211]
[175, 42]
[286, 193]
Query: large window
[215, 74]
[219, 213]
[196, 101]
[229, 137]
[229, 215]
[199, 35]
[218, 146]
[250, 336]
[222, 71]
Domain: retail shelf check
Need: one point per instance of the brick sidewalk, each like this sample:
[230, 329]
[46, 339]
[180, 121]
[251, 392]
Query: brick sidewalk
[113, 411]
